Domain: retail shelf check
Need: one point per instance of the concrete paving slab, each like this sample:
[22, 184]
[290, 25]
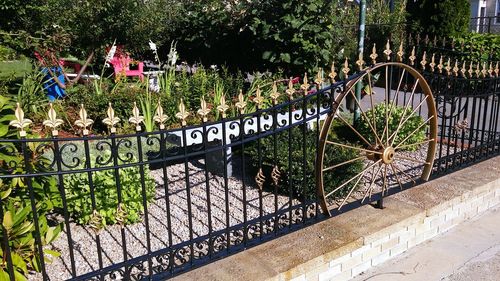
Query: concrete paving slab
[470, 251]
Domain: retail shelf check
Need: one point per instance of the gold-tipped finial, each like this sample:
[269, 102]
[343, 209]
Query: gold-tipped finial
[84, 122]
[463, 70]
[400, 52]
[223, 107]
[346, 69]
[274, 93]
[433, 62]
[471, 70]
[497, 70]
[136, 118]
[258, 99]
[484, 71]
[319, 78]
[423, 62]
[455, 68]
[478, 70]
[448, 67]
[388, 51]
[440, 65]
[20, 122]
[204, 110]
[160, 117]
[374, 54]
[241, 104]
[490, 69]
[360, 62]
[290, 91]
[182, 114]
[412, 56]
[52, 121]
[332, 73]
[305, 85]
[111, 120]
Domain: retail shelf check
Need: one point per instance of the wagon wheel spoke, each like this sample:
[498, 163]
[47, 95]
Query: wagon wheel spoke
[415, 144]
[365, 116]
[372, 182]
[404, 120]
[413, 132]
[344, 163]
[353, 147]
[393, 105]
[397, 176]
[397, 156]
[351, 179]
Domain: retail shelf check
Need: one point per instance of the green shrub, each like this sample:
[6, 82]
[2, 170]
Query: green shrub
[333, 155]
[479, 47]
[396, 114]
[106, 196]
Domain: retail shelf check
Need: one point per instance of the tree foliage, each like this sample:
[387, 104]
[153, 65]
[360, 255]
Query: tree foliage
[440, 17]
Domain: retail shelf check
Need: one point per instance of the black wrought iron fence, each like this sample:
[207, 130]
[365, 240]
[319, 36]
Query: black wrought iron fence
[152, 205]
[485, 24]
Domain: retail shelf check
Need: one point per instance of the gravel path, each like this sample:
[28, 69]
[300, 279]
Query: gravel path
[85, 241]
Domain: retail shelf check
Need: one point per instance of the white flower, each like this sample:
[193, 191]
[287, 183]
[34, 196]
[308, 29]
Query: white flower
[172, 55]
[111, 53]
[152, 46]
[213, 67]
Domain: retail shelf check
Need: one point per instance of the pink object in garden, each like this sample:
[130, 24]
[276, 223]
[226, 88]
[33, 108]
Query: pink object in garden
[121, 65]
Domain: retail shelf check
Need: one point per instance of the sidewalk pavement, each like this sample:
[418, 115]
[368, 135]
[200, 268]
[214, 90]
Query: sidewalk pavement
[468, 252]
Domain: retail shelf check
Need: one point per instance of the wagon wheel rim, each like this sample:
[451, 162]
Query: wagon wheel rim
[383, 150]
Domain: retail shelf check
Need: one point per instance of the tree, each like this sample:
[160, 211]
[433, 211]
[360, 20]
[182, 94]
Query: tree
[440, 17]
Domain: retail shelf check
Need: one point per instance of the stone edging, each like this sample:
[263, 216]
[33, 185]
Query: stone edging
[343, 247]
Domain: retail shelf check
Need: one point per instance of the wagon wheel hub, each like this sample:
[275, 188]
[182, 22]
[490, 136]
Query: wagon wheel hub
[388, 155]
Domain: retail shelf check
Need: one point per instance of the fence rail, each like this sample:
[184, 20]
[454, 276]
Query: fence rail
[152, 205]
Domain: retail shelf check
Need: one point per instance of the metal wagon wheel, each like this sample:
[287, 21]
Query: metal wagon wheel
[387, 155]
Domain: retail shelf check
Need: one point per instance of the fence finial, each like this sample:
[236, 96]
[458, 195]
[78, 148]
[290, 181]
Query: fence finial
[360, 62]
[455, 68]
[223, 107]
[388, 50]
[241, 104]
[332, 73]
[433, 62]
[424, 60]
[204, 110]
[448, 67]
[290, 91]
[20, 122]
[305, 85]
[160, 117]
[463, 70]
[400, 52]
[111, 120]
[52, 121]
[319, 78]
[440, 65]
[412, 56]
[346, 68]
[374, 54]
[259, 99]
[490, 69]
[274, 93]
[497, 70]
[136, 118]
[470, 71]
[484, 71]
[478, 69]
[182, 114]
[84, 121]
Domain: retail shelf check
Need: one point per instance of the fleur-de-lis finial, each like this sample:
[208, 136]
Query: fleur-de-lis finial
[360, 62]
[183, 113]
[319, 77]
[400, 52]
[497, 70]
[136, 118]
[440, 65]
[455, 68]
[204, 110]
[111, 120]
[463, 70]
[241, 104]
[346, 68]
[258, 99]
[160, 117]
[388, 51]
[223, 107]
[305, 84]
[448, 67]
[433, 62]
[478, 69]
[471, 70]
[332, 73]
[84, 121]
[423, 62]
[20, 122]
[484, 71]
[374, 55]
[490, 69]
[290, 91]
[275, 94]
[412, 56]
[53, 122]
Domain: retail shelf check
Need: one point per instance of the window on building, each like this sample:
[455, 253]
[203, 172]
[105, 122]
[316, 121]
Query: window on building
[497, 12]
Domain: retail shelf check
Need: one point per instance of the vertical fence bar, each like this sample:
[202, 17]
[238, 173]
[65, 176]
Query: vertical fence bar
[6, 248]
[188, 195]
[163, 152]
[207, 186]
[88, 166]
[226, 186]
[275, 164]
[62, 191]
[144, 200]
[38, 240]
[259, 152]
[290, 186]
[243, 177]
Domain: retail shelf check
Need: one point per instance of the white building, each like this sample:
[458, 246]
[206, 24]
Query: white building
[485, 16]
